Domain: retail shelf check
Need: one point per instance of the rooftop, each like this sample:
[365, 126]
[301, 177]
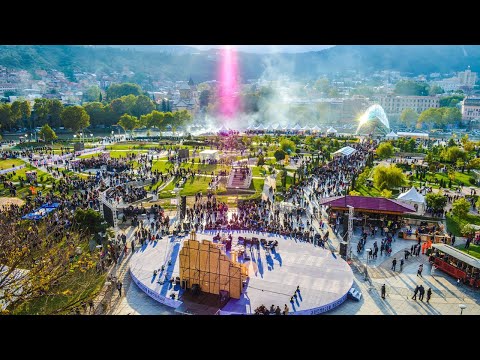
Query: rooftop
[365, 203]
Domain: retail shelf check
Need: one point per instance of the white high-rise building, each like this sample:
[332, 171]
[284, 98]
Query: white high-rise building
[467, 78]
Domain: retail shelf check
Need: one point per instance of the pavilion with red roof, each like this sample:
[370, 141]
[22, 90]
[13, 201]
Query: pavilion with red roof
[366, 204]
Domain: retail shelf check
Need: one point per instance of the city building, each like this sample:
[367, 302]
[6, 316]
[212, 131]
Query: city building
[467, 78]
[396, 104]
[471, 108]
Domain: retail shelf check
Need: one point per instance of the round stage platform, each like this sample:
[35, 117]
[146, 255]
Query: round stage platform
[324, 278]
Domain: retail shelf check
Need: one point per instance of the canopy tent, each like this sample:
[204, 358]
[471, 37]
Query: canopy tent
[296, 127]
[391, 136]
[41, 212]
[315, 128]
[413, 197]
[223, 129]
[276, 126]
[306, 128]
[331, 131]
[344, 151]
[209, 155]
[250, 127]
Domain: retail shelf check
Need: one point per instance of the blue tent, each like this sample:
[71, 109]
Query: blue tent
[41, 212]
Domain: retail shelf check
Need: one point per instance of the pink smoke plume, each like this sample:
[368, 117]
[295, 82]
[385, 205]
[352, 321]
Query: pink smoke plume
[229, 87]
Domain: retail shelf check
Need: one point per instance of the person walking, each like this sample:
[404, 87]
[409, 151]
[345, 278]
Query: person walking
[383, 291]
[429, 295]
[133, 246]
[420, 269]
[394, 263]
[119, 287]
[421, 291]
[286, 310]
[414, 297]
[401, 264]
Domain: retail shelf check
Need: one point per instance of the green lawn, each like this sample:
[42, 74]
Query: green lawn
[473, 250]
[257, 185]
[198, 184]
[460, 179]
[368, 191]
[162, 165]
[118, 154]
[132, 146]
[455, 224]
[167, 191]
[9, 163]
[258, 171]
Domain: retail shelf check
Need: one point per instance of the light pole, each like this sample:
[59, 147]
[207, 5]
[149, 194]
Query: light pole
[462, 307]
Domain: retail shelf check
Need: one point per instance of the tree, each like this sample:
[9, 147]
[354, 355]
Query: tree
[116, 91]
[461, 207]
[451, 101]
[450, 115]
[54, 108]
[181, 118]
[204, 98]
[21, 111]
[431, 117]
[279, 154]
[288, 146]
[454, 153]
[387, 177]
[6, 118]
[362, 178]
[92, 94]
[143, 105]
[436, 201]
[410, 87]
[386, 193]
[50, 259]
[409, 117]
[75, 118]
[128, 122]
[385, 150]
[89, 220]
[435, 89]
[47, 133]
[473, 164]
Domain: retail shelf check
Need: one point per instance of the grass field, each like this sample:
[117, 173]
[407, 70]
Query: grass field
[473, 250]
[368, 191]
[162, 165]
[455, 224]
[460, 179]
[197, 185]
[132, 146]
[257, 185]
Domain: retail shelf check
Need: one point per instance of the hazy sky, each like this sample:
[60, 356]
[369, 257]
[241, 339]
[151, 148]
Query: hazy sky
[269, 48]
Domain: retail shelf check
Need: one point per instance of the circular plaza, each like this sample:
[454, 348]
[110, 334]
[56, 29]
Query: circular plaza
[273, 275]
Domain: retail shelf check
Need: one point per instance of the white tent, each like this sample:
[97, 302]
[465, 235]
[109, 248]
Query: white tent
[331, 131]
[223, 129]
[391, 136]
[296, 127]
[315, 128]
[414, 198]
[209, 155]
